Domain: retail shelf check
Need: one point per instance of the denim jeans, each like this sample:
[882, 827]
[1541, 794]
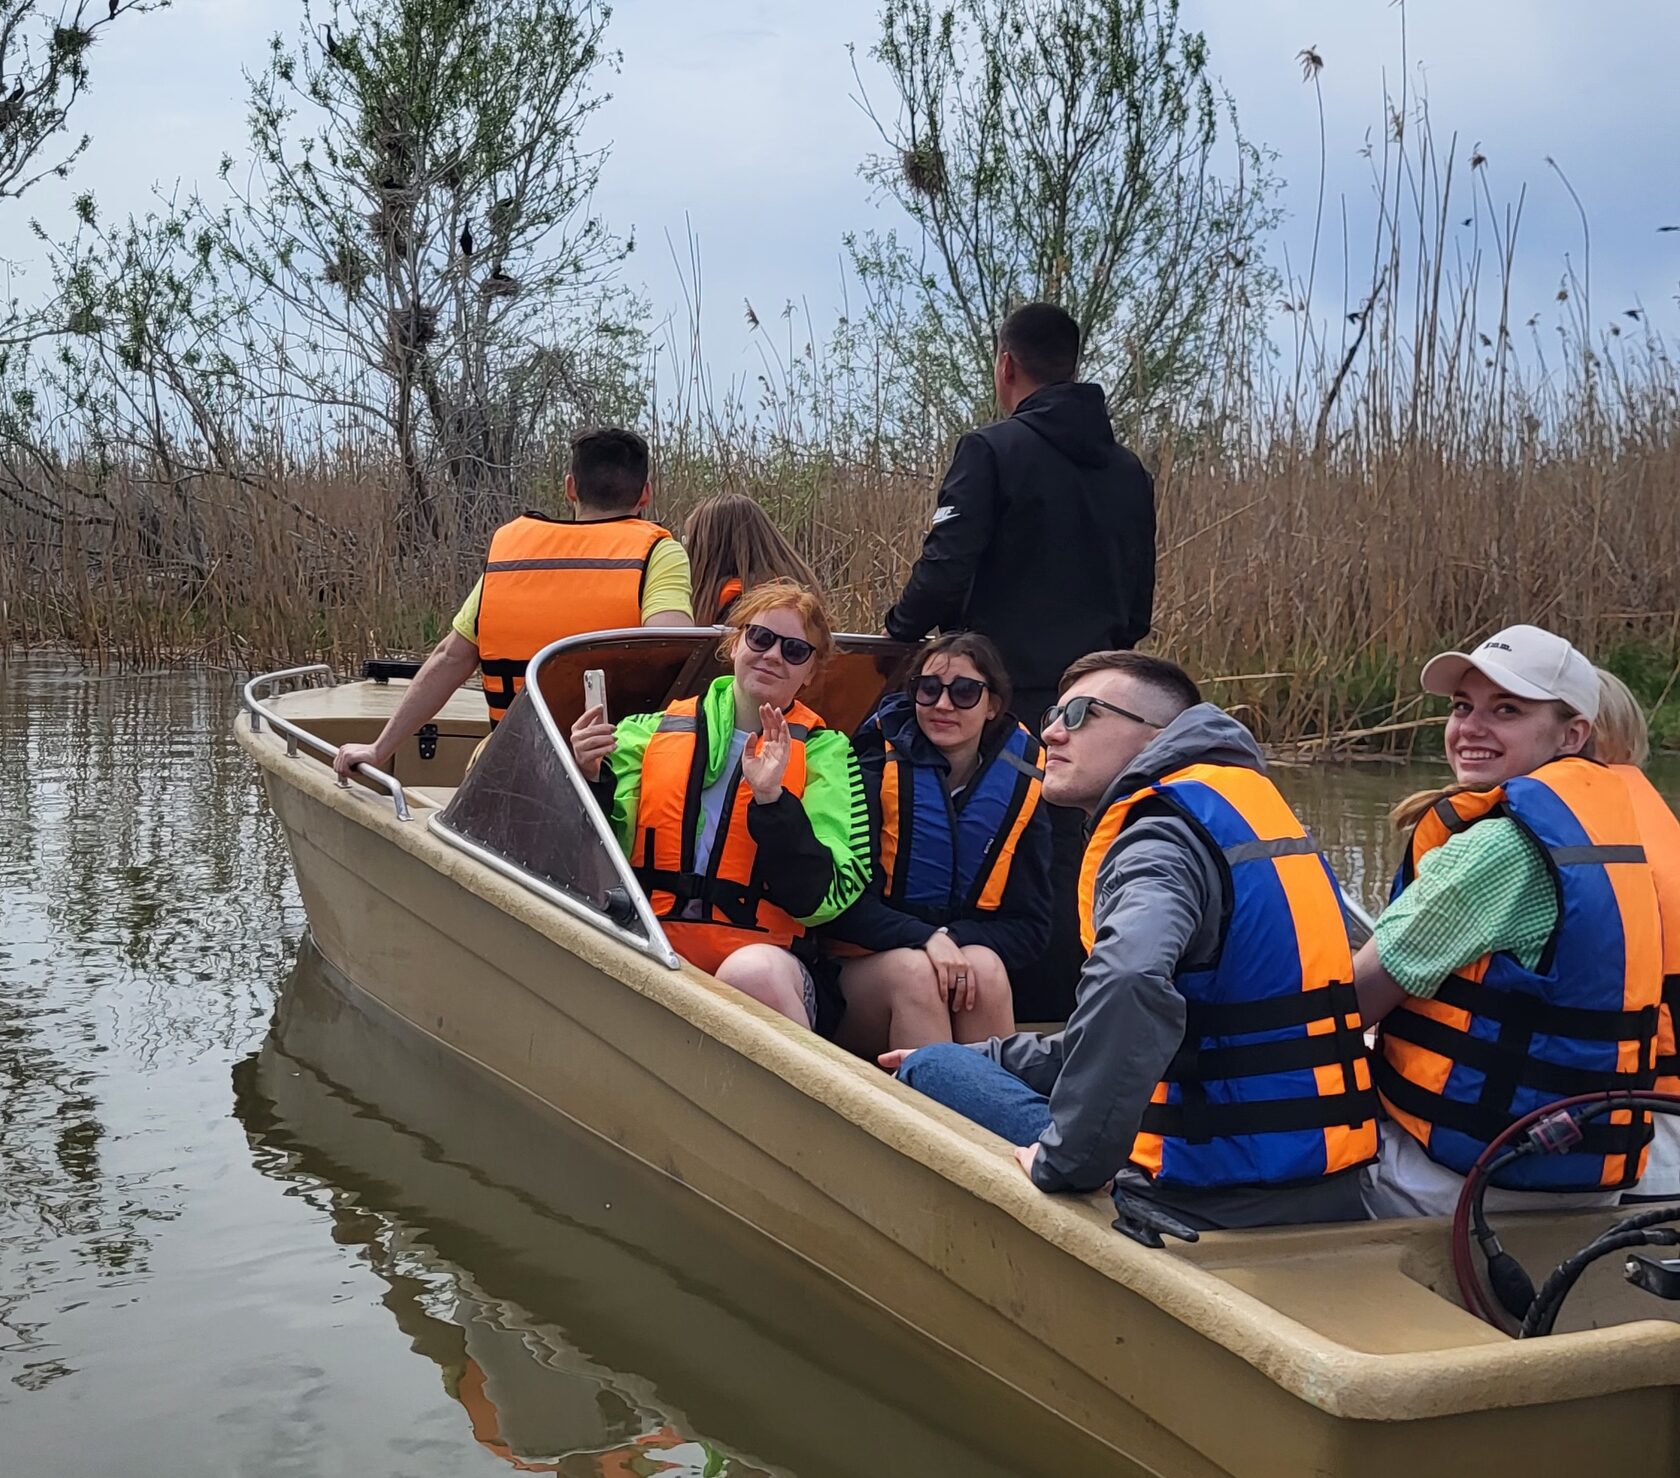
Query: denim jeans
[978, 1089]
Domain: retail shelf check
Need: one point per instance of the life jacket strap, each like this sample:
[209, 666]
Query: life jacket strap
[1542, 1018]
[1668, 1065]
[1493, 1060]
[501, 678]
[1271, 1013]
[737, 903]
[1261, 1059]
[1200, 1122]
[1483, 1122]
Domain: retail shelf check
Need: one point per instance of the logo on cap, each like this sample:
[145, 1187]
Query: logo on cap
[1496, 646]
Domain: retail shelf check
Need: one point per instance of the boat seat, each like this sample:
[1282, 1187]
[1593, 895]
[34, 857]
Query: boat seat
[430, 795]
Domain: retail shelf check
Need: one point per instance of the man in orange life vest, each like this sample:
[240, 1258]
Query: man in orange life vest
[543, 579]
[1214, 1065]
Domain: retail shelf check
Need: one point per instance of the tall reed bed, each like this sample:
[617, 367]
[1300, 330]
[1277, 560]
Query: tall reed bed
[1422, 465]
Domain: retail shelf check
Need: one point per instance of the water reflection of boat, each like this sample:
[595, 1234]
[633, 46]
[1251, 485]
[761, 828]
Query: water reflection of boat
[501, 922]
[590, 1317]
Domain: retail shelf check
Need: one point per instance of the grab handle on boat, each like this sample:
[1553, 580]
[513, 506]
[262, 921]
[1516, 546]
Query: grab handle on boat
[1359, 916]
[264, 684]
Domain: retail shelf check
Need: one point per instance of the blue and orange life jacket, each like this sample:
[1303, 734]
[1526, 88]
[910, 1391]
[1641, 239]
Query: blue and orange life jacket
[1659, 834]
[735, 908]
[1272, 1085]
[1498, 1039]
[942, 861]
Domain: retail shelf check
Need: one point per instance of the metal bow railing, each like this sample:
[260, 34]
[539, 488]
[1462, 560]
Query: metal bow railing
[263, 685]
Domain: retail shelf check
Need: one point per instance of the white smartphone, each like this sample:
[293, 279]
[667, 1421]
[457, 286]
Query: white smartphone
[595, 690]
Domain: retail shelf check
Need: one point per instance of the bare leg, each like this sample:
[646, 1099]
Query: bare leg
[769, 975]
[892, 1000]
[993, 1012]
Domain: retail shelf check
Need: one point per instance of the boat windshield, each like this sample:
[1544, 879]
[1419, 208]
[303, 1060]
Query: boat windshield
[518, 802]
[523, 807]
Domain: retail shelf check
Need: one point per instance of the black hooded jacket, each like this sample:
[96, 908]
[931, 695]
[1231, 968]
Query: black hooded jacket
[1043, 540]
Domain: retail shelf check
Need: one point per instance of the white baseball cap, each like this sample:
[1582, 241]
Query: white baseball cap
[1527, 663]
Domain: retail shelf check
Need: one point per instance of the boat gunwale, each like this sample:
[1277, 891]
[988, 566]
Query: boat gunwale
[1339, 1380]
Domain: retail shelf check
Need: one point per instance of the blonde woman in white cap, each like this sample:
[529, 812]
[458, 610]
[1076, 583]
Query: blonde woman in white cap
[1519, 961]
[1622, 740]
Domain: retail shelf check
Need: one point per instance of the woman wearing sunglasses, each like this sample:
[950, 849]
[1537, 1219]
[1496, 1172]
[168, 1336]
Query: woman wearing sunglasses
[961, 891]
[742, 813]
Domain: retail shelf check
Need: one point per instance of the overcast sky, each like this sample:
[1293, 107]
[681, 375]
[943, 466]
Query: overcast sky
[737, 117]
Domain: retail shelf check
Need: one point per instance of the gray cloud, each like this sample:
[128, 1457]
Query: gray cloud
[737, 117]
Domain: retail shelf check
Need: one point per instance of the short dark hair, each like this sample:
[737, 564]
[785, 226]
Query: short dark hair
[1044, 340]
[609, 468]
[1157, 674]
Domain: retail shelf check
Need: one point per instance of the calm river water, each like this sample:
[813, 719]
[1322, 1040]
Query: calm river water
[242, 1233]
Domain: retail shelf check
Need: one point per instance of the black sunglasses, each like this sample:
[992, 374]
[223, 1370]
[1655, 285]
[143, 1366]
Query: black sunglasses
[965, 691]
[1075, 711]
[796, 649]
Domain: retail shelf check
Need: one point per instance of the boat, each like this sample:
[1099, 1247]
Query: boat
[585, 1311]
[488, 907]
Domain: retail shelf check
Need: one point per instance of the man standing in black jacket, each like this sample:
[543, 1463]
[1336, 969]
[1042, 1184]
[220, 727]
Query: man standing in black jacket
[1043, 540]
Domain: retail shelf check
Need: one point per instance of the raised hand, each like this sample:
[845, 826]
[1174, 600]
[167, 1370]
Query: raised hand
[592, 741]
[765, 759]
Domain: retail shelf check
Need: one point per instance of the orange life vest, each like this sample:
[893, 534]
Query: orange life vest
[733, 907]
[544, 580]
[1659, 831]
[1498, 1039]
[731, 592]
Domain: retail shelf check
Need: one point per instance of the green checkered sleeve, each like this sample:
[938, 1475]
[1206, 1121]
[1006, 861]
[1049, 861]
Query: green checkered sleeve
[1483, 891]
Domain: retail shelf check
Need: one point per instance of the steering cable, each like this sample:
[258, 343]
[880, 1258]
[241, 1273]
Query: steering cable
[1554, 1129]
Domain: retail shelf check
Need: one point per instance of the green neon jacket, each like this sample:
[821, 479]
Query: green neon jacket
[817, 847]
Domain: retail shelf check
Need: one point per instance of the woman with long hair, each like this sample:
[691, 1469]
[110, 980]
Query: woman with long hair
[960, 898]
[742, 813]
[1519, 961]
[1622, 741]
[733, 546]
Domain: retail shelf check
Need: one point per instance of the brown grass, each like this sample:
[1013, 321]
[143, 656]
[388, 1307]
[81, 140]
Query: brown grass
[1407, 481]
[1306, 588]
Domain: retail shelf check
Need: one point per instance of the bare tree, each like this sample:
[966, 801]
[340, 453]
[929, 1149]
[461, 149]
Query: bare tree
[1061, 152]
[44, 70]
[428, 242]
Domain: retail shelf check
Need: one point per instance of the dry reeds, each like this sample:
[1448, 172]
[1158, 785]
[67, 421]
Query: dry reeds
[1409, 481]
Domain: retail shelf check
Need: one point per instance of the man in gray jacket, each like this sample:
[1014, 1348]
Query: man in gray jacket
[1073, 1102]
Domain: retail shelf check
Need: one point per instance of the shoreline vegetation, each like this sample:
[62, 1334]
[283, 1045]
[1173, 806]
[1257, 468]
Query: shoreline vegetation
[1302, 590]
[1343, 487]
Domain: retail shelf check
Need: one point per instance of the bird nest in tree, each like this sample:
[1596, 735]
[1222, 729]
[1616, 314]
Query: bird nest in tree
[348, 270]
[923, 169]
[390, 226]
[499, 285]
[410, 330]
